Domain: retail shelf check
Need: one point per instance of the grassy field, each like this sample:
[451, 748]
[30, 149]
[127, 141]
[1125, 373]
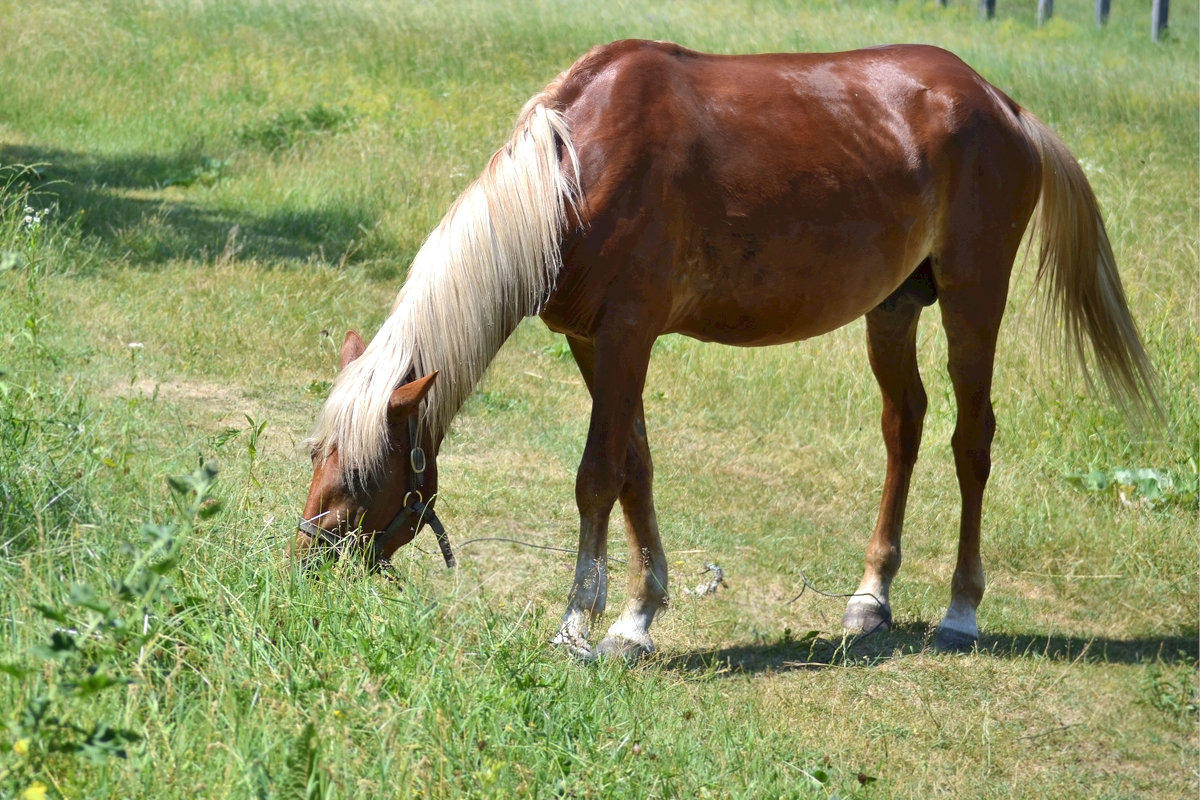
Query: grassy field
[198, 198]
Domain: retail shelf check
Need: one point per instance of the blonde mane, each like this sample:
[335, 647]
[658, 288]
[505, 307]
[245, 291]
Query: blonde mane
[492, 261]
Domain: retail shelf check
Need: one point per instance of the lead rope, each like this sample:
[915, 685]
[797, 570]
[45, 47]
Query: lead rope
[439, 531]
[425, 512]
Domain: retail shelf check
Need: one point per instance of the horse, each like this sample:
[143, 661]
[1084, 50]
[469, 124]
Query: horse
[748, 200]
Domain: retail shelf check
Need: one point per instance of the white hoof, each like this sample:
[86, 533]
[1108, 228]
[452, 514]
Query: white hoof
[630, 650]
[958, 631]
[865, 615]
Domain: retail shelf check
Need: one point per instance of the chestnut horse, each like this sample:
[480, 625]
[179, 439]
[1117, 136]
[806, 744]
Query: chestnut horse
[748, 200]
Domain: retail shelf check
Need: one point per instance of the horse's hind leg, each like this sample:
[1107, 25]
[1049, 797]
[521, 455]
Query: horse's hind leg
[616, 463]
[973, 275]
[892, 349]
[971, 317]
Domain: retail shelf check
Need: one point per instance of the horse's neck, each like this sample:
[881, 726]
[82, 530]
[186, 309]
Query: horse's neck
[490, 262]
[455, 323]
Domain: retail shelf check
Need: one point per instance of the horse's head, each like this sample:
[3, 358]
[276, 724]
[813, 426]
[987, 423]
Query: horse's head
[377, 514]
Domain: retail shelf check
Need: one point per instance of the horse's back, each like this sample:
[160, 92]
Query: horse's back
[806, 108]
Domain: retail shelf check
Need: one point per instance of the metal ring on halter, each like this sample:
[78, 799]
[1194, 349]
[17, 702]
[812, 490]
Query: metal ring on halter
[420, 498]
[416, 460]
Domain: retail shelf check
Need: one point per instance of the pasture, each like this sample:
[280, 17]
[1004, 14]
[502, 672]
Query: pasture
[198, 199]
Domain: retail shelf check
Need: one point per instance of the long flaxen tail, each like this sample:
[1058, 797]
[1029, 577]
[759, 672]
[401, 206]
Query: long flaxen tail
[1076, 261]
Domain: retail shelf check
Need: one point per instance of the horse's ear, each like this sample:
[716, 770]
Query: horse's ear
[352, 348]
[406, 398]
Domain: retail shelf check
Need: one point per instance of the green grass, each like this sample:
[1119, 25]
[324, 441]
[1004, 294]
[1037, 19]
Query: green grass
[232, 185]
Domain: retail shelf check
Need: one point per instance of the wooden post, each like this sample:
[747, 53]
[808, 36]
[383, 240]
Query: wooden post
[1045, 11]
[1102, 12]
[987, 8]
[1158, 19]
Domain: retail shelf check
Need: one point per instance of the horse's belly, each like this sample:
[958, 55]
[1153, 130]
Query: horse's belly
[774, 321]
[787, 292]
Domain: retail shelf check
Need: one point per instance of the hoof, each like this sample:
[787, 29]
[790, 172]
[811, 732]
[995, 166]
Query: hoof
[949, 640]
[576, 646]
[866, 619]
[628, 649]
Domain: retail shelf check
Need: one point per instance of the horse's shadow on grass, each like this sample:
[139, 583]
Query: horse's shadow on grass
[118, 200]
[816, 651]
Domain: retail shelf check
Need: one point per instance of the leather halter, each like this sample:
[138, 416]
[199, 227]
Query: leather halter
[415, 510]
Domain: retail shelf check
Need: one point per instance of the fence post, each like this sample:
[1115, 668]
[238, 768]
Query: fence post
[1045, 11]
[1158, 19]
[1102, 12]
[987, 8]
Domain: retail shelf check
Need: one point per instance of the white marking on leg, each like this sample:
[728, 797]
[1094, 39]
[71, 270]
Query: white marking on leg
[587, 600]
[960, 618]
[629, 636]
[633, 626]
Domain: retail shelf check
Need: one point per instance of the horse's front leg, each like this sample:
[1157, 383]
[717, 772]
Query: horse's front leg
[629, 636]
[614, 465]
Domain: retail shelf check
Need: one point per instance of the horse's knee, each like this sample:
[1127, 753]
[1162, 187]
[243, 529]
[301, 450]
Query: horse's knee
[597, 486]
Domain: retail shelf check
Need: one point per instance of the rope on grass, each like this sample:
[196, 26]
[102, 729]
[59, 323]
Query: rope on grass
[516, 541]
[508, 540]
[810, 585]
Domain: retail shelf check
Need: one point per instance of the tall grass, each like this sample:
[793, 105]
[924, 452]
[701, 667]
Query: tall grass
[231, 185]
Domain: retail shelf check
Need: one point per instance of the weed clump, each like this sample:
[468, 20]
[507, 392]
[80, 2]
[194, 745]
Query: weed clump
[289, 128]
